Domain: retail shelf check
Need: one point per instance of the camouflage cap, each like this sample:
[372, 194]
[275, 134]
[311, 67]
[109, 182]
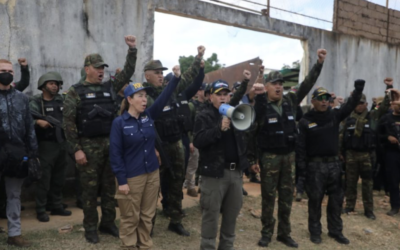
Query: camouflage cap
[274, 76]
[153, 65]
[320, 91]
[95, 60]
[207, 89]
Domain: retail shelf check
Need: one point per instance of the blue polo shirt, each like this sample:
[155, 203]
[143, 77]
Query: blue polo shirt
[132, 141]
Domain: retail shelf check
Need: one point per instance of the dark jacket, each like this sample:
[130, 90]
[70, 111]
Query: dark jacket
[319, 131]
[208, 134]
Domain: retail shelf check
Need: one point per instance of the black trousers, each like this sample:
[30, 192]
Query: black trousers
[393, 177]
[324, 178]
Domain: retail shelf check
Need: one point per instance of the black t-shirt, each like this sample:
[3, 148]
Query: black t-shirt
[231, 153]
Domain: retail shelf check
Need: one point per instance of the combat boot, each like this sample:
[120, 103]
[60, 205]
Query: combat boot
[288, 241]
[347, 210]
[192, 192]
[18, 241]
[299, 196]
[393, 211]
[264, 241]
[316, 239]
[61, 212]
[244, 192]
[111, 230]
[92, 237]
[370, 215]
[42, 217]
[178, 228]
[339, 238]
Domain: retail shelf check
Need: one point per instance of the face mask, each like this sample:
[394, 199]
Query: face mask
[6, 78]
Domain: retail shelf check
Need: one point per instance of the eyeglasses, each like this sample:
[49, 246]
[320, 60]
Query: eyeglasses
[322, 98]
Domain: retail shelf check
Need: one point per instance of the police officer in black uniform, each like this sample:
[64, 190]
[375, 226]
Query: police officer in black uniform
[318, 145]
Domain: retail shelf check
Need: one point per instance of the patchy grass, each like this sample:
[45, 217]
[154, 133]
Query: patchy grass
[383, 233]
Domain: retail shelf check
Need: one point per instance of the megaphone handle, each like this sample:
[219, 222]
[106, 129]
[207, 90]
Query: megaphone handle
[225, 117]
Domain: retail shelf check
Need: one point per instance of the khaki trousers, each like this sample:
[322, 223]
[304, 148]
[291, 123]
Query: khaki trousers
[137, 209]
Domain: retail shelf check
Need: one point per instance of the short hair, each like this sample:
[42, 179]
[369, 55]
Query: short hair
[5, 61]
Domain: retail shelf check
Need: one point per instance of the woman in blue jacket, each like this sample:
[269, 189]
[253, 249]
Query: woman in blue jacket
[135, 164]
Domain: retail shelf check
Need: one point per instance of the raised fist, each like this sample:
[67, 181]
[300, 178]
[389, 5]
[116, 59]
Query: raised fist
[388, 81]
[321, 55]
[22, 61]
[200, 51]
[258, 88]
[130, 41]
[246, 74]
[359, 84]
[261, 70]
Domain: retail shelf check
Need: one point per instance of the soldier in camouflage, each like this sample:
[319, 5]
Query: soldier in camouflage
[170, 131]
[52, 146]
[89, 109]
[276, 137]
[359, 142]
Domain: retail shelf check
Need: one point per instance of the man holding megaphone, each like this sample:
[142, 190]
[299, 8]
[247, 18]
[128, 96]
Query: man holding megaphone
[276, 136]
[222, 160]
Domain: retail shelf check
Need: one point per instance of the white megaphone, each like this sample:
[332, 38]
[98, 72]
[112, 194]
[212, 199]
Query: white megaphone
[242, 116]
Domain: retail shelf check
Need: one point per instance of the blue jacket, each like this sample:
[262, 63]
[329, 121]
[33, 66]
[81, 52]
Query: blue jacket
[132, 141]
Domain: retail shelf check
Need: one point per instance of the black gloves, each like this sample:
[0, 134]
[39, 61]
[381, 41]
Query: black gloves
[359, 85]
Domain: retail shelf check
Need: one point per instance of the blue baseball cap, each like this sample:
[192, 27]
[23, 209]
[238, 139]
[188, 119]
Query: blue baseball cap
[218, 86]
[132, 88]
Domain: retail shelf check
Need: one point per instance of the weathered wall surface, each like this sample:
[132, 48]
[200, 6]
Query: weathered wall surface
[56, 35]
[368, 20]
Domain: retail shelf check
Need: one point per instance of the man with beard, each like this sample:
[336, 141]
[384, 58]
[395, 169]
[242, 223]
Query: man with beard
[319, 164]
[52, 146]
[276, 139]
[89, 109]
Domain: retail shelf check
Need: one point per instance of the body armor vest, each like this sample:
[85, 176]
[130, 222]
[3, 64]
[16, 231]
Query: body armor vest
[278, 134]
[363, 143]
[96, 112]
[54, 109]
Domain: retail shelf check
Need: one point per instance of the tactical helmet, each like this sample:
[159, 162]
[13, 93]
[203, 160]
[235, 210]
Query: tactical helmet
[49, 76]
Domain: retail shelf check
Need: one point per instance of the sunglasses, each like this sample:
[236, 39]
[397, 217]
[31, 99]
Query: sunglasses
[322, 98]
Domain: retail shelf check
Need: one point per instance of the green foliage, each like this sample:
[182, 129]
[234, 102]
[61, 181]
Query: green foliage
[211, 63]
[295, 65]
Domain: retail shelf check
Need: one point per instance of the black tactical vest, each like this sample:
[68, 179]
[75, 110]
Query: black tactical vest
[365, 142]
[184, 114]
[278, 134]
[96, 112]
[54, 109]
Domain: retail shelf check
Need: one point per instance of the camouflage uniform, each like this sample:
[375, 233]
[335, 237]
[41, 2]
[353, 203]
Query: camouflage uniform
[175, 150]
[359, 157]
[97, 172]
[278, 164]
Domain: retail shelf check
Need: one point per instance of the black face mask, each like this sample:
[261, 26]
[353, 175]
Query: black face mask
[6, 78]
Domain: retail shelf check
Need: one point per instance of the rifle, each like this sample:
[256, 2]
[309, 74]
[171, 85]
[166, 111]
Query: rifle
[97, 110]
[53, 121]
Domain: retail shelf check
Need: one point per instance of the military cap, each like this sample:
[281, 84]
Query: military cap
[218, 86]
[95, 60]
[236, 85]
[274, 76]
[153, 65]
[49, 76]
[132, 88]
[320, 91]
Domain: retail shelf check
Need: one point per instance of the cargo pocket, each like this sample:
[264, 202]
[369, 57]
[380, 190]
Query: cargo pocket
[205, 199]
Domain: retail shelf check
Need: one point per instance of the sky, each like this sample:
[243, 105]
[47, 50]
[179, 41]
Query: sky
[234, 45]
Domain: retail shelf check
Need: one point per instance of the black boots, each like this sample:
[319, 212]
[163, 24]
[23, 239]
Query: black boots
[178, 228]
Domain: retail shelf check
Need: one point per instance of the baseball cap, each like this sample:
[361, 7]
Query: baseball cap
[132, 88]
[218, 86]
[274, 76]
[154, 64]
[94, 59]
[320, 91]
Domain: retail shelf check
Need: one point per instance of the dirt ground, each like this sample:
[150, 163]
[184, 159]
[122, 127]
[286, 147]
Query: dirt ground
[383, 233]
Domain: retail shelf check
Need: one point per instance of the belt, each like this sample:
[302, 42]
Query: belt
[323, 159]
[231, 165]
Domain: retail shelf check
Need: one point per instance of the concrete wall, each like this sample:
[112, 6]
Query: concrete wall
[368, 20]
[56, 35]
